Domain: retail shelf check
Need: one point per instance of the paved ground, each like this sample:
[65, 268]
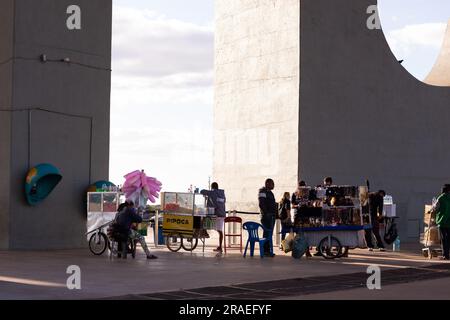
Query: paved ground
[42, 275]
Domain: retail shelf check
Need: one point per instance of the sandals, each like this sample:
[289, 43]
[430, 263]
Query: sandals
[152, 257]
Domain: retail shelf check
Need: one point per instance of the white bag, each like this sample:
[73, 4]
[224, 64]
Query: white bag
[288, 243]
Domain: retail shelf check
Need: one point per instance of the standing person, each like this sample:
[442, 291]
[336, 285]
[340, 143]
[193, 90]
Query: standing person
[328, 182]
[376, 200]
[284, 209]
[268, 207]
[442, 210]
[216, 199]
[125, 219]
[294, 194]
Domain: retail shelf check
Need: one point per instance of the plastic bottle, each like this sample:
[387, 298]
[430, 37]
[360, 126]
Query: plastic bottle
[388, 200]
[396, 245]
[104, 187]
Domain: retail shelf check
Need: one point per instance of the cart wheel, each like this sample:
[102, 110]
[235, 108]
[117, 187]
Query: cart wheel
[174, 242]
[98, 243]
[188, 241]
[330, 248]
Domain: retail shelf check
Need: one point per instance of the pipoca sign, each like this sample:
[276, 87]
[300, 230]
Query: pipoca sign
[177, 221]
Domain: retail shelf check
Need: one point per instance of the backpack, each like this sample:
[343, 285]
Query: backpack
[282, 212]
[300, 246]
[391, 235]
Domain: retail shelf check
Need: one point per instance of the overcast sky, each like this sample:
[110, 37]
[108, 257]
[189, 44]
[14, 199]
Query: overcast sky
[162, 94]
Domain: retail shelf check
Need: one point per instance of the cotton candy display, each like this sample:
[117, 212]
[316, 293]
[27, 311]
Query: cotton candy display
[139, 188]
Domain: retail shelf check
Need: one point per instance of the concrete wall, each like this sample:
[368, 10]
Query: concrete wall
[6, 52]
[362, 115]
[81, 88]
[256, 97]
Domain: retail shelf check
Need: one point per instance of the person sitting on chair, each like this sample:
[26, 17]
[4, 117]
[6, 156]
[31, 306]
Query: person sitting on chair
[125, 219]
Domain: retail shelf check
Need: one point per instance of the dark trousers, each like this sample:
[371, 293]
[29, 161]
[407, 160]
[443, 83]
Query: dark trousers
[445, 238]
[286, 226]
[376, 231]
[269, 223]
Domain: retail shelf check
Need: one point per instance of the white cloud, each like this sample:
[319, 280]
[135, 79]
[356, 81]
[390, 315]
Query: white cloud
[148, 44]
[162, 95]
[408, 39]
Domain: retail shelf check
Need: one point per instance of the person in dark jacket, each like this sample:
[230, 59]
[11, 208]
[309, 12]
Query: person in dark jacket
[216, 199]
[125, 219]
[376, 200]
[268, 208]
[285, 214]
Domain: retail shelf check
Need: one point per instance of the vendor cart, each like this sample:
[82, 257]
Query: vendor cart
[102, 208]
[101, 211]
[431, 238]
[186, 219]
[333, 219]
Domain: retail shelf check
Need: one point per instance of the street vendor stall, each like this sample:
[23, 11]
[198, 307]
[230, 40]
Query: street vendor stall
[332, 218]
[185, 220]
[102, 208]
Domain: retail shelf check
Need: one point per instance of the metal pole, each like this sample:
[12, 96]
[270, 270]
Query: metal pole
[155, 236]
[233, 239]
[277, 232]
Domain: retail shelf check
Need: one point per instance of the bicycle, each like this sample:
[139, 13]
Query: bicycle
[99, 242]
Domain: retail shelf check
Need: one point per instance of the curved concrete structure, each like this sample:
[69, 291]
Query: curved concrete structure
[359, 114]
[440, 74]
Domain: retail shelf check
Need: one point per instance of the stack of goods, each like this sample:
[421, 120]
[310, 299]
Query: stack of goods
[330, 206]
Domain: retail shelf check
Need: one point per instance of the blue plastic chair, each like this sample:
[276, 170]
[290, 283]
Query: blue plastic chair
[253, 237]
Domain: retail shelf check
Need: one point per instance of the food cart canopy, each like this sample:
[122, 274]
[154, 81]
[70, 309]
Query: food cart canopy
[40, 182]
[99, 185]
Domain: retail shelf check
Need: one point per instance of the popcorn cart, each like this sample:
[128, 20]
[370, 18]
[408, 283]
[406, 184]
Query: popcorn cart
[185, 220]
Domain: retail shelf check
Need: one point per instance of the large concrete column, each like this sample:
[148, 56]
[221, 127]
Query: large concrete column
[54, 112]
[356, 114]
[256, 98]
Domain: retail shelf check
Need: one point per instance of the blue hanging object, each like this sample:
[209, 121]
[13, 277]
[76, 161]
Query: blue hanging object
[40, 182]
[98, 185]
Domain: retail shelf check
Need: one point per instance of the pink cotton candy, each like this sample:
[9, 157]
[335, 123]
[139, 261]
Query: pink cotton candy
[137, 184]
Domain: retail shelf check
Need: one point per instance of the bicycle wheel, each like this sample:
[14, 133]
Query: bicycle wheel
[174, 242]
[330, 248]
[187, 247]
[98, 243]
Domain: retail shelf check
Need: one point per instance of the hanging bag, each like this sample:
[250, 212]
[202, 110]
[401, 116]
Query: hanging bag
[300, 246]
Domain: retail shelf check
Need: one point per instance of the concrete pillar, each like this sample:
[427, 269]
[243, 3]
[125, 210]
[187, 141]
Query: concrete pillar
[53, 110]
